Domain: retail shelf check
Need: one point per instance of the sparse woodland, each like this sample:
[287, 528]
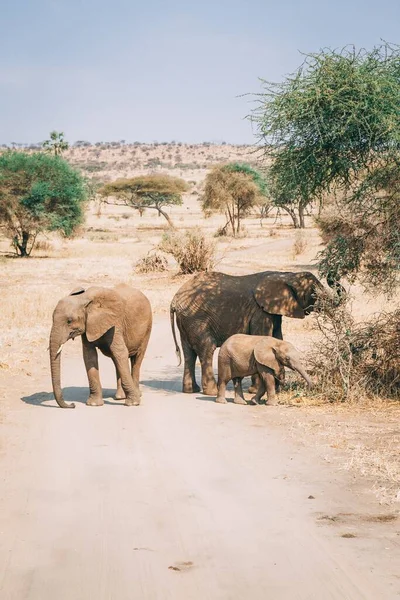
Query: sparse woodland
[321, 192]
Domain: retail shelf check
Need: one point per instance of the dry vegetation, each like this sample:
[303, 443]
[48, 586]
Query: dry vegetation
[116, 245]
[107, 162]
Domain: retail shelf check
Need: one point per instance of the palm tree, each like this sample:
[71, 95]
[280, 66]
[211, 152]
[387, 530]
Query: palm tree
[56, 144]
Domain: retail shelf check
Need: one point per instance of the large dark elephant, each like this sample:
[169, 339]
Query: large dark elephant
[211, 307]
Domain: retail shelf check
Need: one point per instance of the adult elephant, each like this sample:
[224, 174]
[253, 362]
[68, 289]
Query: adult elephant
[118, 322]
[213, 306]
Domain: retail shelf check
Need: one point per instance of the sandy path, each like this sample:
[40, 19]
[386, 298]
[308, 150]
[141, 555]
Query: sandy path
[178, 499]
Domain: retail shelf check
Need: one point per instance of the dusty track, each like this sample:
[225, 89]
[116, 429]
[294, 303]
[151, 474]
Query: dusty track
[178, 499]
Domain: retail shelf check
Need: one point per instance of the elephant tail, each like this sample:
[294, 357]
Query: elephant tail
[177, 349]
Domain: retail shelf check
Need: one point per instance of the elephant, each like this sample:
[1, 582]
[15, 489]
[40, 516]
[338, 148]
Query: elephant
[212, 306]
[118, 322]
[242, 355]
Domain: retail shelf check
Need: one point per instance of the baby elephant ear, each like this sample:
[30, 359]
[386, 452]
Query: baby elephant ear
[104, 310]
[264, 354]
[76, 291]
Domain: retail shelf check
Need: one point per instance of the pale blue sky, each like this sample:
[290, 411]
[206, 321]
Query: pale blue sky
[161, 70]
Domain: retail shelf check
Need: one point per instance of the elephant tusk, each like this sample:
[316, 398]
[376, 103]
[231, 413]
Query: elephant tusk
[59, 350]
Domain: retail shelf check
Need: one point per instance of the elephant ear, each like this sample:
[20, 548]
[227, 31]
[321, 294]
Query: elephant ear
[104, 310]
[265, 355]
[306, 287]
[277, 297]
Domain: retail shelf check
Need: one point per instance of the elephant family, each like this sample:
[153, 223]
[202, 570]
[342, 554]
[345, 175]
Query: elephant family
[211, 307]
[242, 355]
[118, 321]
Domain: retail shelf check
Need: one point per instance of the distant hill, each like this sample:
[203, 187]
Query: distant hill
[111, 160]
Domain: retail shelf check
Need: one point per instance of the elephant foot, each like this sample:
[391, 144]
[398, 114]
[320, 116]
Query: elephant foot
[253, 389]
[93, 401]
[135, 401]
[272, 402]
[210, 390]
[191, 389]
[221, 400]
[255, 400]
[239, 400]
[119, 397]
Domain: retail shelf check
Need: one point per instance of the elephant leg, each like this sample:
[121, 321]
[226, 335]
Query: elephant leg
[277, 333]
[120, 394]
[136, 363]
[92, 369]
[119, 355]
[277, 327]
[269, 382]
[208, 382]
[221, 391]
[189, 385]
[255, 384]
[237, 384]
[260, 392]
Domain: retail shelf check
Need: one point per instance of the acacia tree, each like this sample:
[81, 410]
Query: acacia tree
[332, 130]
[233, 189]
[146, 191]
[38, 192]
[56, 144]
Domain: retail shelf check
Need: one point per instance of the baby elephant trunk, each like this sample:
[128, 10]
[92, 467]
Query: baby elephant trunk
[297, 366]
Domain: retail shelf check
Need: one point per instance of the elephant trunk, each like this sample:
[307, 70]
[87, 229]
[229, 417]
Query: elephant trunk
[55, 364]
[337, 287]
[301, 370]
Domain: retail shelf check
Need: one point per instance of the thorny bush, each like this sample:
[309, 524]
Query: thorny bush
[151, 263]
[355, 360]
[191, 250]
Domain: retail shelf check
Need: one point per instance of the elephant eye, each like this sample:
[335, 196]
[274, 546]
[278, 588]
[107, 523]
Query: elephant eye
[69, 321]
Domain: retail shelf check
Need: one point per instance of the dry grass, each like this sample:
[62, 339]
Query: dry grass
[361, 439]
[379, 463]
[153, 262]
[300, 243]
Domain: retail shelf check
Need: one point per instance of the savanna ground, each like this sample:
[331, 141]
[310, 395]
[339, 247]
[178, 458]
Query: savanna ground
[359, 441]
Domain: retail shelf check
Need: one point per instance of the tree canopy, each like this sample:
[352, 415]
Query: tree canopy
[38, 192]
[233, 189]
[331, 132]
[146, 191]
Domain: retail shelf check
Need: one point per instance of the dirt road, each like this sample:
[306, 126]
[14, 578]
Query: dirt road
[178, 499]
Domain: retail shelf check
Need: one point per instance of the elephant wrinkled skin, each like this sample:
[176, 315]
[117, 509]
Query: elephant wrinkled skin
[118, 322]
[211, 307]
[242, 355]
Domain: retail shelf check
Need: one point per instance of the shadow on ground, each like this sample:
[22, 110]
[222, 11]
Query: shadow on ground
[171, 386]
[71, 394]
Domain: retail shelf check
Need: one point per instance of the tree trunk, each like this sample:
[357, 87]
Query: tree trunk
[22, 244]
[292, 213]
[166, 216]
[301, 217]
[232, 221]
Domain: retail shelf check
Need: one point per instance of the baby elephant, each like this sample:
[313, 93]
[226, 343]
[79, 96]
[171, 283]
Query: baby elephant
[242, 355]
[117, 321]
